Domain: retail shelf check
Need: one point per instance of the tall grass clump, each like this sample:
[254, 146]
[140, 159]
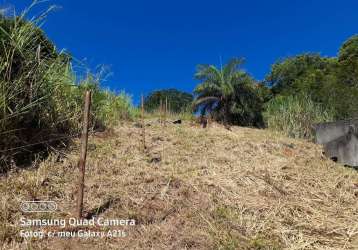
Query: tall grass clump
[295, 115]
[40, 97]
[108, 107]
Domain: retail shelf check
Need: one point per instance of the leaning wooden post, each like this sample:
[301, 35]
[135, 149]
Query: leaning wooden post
[143, 125]
[83, 154]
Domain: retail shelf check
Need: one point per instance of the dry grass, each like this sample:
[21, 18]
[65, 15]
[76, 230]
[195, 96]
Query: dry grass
[197, 189]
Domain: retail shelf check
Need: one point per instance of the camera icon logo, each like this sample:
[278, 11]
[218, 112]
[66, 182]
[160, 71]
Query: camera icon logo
[38, 206]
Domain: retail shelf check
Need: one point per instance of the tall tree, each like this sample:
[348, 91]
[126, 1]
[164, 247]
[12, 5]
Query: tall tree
[229, 93]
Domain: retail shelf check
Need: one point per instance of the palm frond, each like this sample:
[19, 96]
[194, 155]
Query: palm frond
[232, 66]
[206, 72]
[207, 88]
[205, 100]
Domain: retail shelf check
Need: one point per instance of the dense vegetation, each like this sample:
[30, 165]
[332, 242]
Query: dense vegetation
[295, 114]
[329, 85]
[229, 94]
[40, 97]
[298, 92]
[178, 101]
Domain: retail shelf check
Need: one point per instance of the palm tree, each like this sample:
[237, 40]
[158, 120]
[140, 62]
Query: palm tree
[219, 89]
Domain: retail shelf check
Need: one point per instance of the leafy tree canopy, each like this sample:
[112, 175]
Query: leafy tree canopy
[302, 73]
[178, 101]
[348, 60]
[328, 81]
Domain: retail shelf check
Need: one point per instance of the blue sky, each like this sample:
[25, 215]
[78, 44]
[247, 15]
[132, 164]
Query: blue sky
[151, 44]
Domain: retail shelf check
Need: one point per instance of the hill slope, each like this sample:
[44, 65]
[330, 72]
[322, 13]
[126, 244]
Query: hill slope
[196, 189]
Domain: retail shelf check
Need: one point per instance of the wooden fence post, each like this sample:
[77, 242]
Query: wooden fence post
[143, 125]
[160, 111]
[83, 154]
[165, 111]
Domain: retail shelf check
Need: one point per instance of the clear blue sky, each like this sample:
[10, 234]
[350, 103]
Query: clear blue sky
[152, 44]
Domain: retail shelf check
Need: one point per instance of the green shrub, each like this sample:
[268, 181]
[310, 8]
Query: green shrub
[295, 115]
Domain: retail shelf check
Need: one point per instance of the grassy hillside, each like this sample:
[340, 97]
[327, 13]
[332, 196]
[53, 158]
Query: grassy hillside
[195, 188]
[41, 93]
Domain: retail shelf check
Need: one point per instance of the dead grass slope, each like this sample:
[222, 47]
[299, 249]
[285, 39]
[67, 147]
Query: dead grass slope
[196, 189]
